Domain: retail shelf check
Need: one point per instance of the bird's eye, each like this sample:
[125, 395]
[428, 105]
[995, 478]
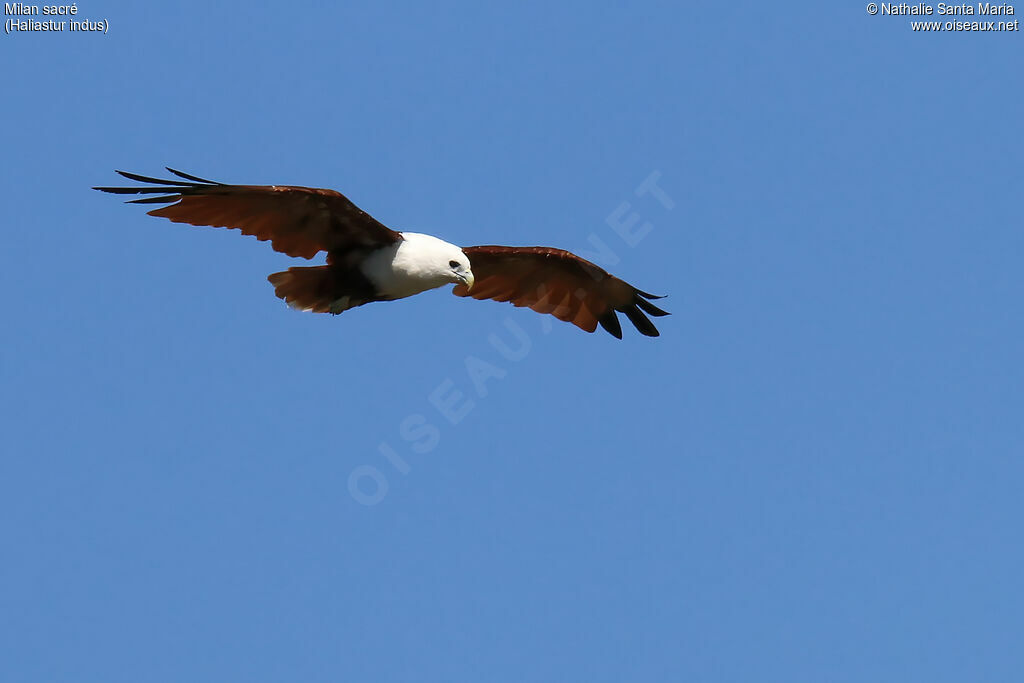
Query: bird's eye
[453, 264]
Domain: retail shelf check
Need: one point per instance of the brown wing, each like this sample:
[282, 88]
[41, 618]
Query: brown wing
[561, 283]
[298, 221]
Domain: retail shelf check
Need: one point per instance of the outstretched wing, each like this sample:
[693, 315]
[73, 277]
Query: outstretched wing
[298, 221]
[561, 283]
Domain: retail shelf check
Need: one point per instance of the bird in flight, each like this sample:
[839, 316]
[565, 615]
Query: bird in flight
[367, 261]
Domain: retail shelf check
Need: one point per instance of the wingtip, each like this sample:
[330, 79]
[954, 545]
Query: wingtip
[610, 323]
[648, 307]
[190, 177]
[640, 321]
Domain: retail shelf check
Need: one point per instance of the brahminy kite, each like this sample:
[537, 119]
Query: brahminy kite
[367, 261]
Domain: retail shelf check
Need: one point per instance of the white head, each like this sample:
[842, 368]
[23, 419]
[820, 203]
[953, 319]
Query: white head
[417, 263]
[435, 259]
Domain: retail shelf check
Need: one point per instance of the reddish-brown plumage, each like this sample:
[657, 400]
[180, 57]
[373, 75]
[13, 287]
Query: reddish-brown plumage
[322, 289]
[306, 288]
[559, 283]
[298, 221]
[303, 221]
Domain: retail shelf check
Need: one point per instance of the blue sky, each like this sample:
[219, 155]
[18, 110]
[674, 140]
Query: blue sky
[813, 474]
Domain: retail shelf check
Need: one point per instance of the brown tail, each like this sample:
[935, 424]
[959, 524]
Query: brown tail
[320, 289]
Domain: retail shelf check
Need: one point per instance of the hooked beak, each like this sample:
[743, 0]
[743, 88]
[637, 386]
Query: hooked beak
[467, 279]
